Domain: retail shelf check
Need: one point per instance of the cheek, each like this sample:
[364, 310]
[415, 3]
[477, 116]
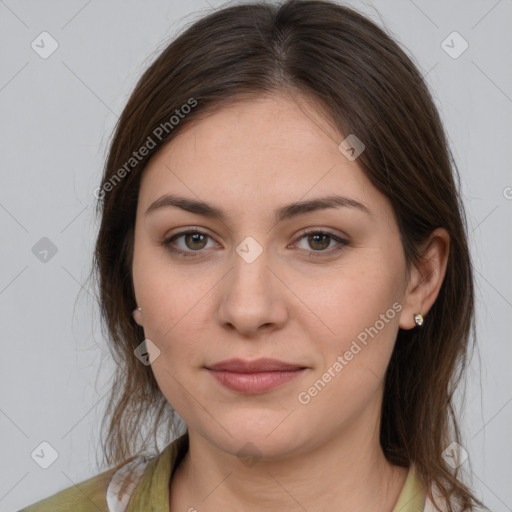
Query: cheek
[352, 362]
[172, 307]
[357, 311]
[176, 319]
[351, 297]
[175, 302]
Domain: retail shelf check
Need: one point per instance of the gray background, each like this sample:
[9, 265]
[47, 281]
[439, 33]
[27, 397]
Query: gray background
[57, 116]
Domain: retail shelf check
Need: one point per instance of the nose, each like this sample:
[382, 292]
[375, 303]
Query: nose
[252, 298]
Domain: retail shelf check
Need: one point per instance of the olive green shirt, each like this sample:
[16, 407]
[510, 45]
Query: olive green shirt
[150, 478]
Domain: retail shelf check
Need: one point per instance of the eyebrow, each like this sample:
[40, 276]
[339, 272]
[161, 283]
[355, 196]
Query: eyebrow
[283, 213]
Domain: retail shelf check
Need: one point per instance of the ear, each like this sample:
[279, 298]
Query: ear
[426, 278]
[137, 316]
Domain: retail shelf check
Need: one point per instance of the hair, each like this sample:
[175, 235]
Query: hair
[366, 85]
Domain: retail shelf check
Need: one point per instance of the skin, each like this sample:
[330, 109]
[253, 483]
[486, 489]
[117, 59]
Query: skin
[248, 159]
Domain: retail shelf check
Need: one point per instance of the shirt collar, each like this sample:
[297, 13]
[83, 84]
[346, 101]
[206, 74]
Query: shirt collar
[412, 497]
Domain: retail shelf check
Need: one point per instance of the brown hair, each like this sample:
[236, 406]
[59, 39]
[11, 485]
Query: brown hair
[367, 86]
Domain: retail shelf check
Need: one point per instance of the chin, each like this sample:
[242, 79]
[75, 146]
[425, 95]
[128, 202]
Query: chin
[260, 436]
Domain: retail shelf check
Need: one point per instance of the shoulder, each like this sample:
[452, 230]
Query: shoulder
[87, 496]
[112, 490]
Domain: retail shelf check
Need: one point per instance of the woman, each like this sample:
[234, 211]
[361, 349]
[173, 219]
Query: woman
[282, 264]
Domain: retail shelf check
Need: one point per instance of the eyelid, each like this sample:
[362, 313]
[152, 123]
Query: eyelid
[168, 240]
[341, 241]
[325, 231]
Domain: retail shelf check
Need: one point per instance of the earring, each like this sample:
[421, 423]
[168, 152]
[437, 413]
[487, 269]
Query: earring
[418, 319]
[134, 312]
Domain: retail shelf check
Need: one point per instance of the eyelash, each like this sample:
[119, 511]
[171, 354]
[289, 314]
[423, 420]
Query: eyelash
[314, 254]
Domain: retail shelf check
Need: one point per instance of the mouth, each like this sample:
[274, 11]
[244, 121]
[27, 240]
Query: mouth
[253, 377]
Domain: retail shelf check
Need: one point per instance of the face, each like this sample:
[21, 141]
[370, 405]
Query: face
[319, 288]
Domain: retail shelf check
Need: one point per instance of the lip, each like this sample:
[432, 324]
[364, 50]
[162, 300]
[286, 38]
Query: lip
[254, 366]
[257, 376]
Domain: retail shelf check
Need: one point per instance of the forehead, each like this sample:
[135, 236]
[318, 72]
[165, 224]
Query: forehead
[256, 153]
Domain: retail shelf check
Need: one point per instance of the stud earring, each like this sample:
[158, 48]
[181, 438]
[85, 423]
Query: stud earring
[134, 312]
[418, 319]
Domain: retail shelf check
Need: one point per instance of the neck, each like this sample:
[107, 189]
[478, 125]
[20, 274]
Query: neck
[349, 472]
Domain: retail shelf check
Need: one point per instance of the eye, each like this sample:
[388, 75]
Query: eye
[321, 242]
[193, 239]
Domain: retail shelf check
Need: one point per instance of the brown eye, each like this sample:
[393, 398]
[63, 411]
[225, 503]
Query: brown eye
[195, 241]
[319, 241]
[188, 243]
